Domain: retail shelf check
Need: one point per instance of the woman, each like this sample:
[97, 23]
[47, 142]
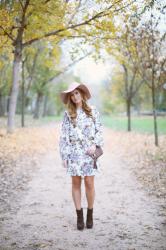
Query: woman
[80, 134]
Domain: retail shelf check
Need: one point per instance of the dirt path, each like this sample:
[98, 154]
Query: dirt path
[125, 217]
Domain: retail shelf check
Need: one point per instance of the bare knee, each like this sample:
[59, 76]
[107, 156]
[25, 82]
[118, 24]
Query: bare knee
[89, 182]
[76, 182]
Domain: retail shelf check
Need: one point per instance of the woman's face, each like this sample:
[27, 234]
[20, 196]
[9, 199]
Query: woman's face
[76, 96]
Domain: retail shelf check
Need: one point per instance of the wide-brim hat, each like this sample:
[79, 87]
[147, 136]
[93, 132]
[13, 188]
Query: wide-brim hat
[73, 86]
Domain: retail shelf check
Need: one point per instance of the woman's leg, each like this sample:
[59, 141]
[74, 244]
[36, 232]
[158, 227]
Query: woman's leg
[90, 190]
[76, 191]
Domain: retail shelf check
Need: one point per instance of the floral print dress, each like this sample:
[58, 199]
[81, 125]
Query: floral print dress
[75, 141]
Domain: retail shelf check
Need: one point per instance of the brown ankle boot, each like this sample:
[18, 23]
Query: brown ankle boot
[80, 219]
[89, 220]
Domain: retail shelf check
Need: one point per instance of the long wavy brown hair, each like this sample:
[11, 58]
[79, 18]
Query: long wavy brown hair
[72, 110]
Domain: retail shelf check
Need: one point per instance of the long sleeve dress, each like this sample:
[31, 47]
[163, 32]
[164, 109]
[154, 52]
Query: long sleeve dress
[75, 141]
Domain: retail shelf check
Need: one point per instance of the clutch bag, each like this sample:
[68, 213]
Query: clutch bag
[96, 155]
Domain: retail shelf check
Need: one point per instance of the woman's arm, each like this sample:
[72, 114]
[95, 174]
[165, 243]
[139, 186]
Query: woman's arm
[64, 143]
[98, 140]
[98, 137]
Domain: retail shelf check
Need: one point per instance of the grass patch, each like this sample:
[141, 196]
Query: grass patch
[139, 124]
[51, 119]
[29, 121]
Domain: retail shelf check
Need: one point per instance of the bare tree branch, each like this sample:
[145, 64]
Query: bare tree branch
[21, 5]
[6, 33]
[68, 66]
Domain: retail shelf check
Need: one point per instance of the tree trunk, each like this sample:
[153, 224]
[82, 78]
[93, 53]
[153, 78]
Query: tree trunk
[128, 115]
[127, 95]
[154, 116]
[7, 106]
[2, 105]
[153, 87]
[14, 91]
[23, 98]
[37, 105]
[45, 106]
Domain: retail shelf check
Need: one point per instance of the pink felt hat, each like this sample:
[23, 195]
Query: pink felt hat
[73, 86]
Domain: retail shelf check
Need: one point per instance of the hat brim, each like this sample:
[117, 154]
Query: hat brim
[64, 94]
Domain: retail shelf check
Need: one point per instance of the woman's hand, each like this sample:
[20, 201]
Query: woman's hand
[65, 163]
[92, 149]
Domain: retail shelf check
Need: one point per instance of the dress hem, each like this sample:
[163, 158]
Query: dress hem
[96, 172]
